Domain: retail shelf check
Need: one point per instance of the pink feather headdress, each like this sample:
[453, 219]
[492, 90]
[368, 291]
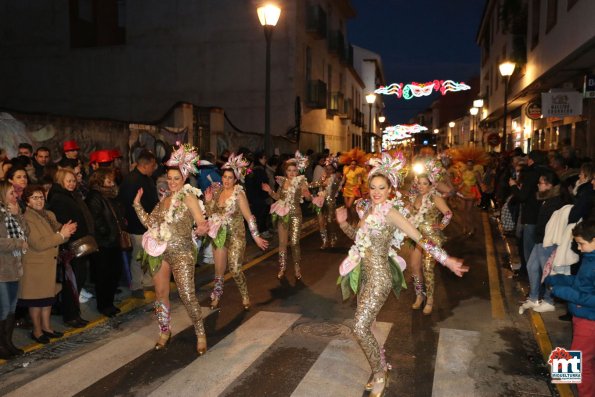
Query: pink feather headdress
[238, 164]
[391, 167]
[186, 158]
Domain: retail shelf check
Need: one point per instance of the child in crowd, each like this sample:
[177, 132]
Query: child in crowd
[579, 291]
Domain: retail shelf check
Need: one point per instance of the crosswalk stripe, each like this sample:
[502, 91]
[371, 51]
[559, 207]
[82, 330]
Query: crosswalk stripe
[220, 366]
[341, 370]
[454, 356]
[82, 372]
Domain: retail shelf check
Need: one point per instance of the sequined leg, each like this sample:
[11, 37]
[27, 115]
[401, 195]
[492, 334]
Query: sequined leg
[419, 293]
[235, 254]
[295, 229]
[371, 299]
[282, 263]
[163, 316]
[324, 237]
[183, 272]
[217, 292]
[428, 269]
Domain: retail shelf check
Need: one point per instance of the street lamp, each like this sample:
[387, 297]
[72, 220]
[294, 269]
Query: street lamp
[450, 139]
[506, 70]
[478, 103]
[473, 111]
[268, 16]
[370, 99]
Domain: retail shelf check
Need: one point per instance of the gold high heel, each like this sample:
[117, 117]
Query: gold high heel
[163, 340]
[246, 303]
[201, 345]
[298, 274]
[379, 385]
[419, 300]
[370, 383]
[214, 304]
[428, 307]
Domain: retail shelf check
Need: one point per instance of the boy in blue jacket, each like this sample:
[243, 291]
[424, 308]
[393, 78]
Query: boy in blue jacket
[579, 291]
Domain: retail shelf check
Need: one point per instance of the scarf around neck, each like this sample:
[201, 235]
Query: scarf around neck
[13, 227]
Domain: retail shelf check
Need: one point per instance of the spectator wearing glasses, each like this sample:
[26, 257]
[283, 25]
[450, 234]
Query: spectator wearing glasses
[38, 286]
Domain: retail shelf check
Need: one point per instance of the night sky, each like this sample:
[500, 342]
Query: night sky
[418, 40]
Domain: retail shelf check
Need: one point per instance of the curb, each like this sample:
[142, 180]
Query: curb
[129, 304]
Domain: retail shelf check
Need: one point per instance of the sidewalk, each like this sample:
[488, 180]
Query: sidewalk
[126, 303]
[549, 331]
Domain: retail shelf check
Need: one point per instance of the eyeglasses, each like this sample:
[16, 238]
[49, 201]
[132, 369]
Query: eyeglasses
[37, 197]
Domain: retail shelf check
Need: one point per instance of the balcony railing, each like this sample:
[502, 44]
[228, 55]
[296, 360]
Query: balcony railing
[316, 95]
[336, 43]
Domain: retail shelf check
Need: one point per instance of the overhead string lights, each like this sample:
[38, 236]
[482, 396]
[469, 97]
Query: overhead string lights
[418, 90]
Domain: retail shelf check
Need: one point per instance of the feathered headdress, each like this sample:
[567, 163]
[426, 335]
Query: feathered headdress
[238, 164]
[301, 161]
[465, 154]
[185, 158]
[354, 154]
[430, 167]
[333, 161]
[393, 167]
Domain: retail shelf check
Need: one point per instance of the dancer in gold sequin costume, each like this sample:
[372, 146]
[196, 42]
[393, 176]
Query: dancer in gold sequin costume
[430, 214]
[329, 186]
[287, 212]
[168, 246]
[227, 207]
[381, 224]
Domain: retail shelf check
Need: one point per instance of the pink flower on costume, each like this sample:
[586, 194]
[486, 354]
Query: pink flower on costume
[279, 209]
[214, 226]
[318, 201]
[152, 246]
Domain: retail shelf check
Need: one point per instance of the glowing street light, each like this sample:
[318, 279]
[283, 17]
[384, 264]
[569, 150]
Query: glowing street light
[506, 70]
[268, 15]
[478, 103]
[370, 99]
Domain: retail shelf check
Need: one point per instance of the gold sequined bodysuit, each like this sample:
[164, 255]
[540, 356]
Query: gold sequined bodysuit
[235, 240]
[327, 216]
[294, 225]
[376, 284]
[427, 216]
[179, 254]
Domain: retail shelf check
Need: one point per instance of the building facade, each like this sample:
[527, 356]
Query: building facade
[188, 66]
[552, 44]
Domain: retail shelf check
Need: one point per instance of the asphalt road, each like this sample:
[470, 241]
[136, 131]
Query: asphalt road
[295, 340]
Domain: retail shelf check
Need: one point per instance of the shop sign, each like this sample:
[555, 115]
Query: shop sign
[533, 110]
[589, 87]
[562, 104]
[493, 139]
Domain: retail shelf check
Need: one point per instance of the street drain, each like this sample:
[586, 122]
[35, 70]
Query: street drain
[324, 330]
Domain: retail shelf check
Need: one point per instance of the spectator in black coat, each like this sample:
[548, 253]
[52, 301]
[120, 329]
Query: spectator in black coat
[584, 194]
[525, 194]
[106, 264]
[256, 196]
[138, 178]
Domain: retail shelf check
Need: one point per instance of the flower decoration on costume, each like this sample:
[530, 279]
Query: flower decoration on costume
[429, 167]
[391, 167]
[301, 161]
[185, 158]
[238, 164]
[333, 161]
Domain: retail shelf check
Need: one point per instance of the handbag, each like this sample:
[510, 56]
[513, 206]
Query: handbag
[124, 239]
[83, 246]
[508, 224]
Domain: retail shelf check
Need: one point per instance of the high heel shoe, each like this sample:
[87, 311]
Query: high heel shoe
[379, 385]
[419, 300]
[281, 274]
[370, 383]
[428, 307]
[214, 304]
[246, 303]
[163, 340]
[201, 345]
[298, 274]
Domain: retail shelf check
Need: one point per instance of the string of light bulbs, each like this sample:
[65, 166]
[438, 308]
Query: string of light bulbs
[418, 90]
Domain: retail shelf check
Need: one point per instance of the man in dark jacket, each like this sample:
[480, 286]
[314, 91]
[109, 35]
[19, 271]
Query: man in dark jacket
[525, 194]
[140, 177]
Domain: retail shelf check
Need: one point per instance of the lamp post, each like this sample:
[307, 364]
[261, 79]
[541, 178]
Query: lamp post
[451, 125]
[370, 99]
[506, 70]
[268, 16]
[473, 111]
